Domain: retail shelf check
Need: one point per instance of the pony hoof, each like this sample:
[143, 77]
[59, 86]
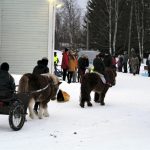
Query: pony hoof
[36, 112]
[46, 115]
[89, 104]
[32, 116]
[97, 101]
[103, 104]
[82, 105]
[40, 117]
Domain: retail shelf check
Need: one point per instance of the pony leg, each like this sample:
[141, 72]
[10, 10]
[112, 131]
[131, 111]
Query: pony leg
[85, 95]
[41, 111]
[89, 104]
[89, 101]
[102, 98]
[31, 111]
[46, 114]
[97, 97]
[82, 101]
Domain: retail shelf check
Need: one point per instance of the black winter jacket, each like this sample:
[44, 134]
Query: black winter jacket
[7, 84]
[99, 66]
[83, 63]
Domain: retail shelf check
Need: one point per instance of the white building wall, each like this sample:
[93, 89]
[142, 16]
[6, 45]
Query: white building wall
[0, 26]
[24, 33]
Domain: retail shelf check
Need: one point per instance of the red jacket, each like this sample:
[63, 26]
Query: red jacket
[65, 59]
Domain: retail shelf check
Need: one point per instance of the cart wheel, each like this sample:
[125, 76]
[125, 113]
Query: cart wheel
[16, 116]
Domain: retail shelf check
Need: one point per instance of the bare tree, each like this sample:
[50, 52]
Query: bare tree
[72, 15]
[130, 27]
[116, 25]
[142, 26]
[117, 14]
[139, 14]
[68, 25]
[138, 24]
[110, 34]
[109, 9]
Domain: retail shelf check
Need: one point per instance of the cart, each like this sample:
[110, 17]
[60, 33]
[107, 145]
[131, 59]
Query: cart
[15, 107]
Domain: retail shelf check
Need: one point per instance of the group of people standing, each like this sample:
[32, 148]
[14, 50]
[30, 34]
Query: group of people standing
[73, 67]
[148, 65]
[134, 63]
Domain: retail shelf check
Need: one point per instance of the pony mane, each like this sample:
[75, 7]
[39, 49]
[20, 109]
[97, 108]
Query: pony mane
[52, 77]
[23, 83]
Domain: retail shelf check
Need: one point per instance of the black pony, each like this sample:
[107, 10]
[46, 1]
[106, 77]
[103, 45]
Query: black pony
[94, 82]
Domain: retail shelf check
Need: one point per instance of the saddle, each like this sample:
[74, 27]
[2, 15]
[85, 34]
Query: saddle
[102, 77]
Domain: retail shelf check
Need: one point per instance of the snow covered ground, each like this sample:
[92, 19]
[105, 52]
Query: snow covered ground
[122, 124]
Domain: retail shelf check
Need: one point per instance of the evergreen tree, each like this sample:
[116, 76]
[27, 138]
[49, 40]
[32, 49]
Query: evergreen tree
[99, 27]
[146, 26]
[97, 19]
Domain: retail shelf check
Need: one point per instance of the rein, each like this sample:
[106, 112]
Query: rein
[40, 90]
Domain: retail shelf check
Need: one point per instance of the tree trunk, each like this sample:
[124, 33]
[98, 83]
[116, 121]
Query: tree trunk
[137, 15]
[87, 36]
[130, 28]
[142, 28]
[110, 7]
[116, 26]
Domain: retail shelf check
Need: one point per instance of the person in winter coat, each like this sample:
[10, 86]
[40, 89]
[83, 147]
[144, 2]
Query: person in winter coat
[100, 67]
[7, 82]
[107, 59]
[125, 62]
[138, 71]
[64, 63]
[75, 72]
[45, 64]
[83, 63]
[41, 68]
[56, 61]
[120, 63]
[148, 65]
[72, 66]
[114, 62]
[134, 62]
[132, 54]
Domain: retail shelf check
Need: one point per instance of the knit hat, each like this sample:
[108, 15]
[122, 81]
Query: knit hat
[66, 49]
[5, 66]
[45, 61]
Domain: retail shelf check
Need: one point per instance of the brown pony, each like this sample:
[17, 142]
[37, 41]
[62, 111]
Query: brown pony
[93, 82]
[41, 88]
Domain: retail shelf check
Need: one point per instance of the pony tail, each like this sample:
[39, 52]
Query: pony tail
[23, 84]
